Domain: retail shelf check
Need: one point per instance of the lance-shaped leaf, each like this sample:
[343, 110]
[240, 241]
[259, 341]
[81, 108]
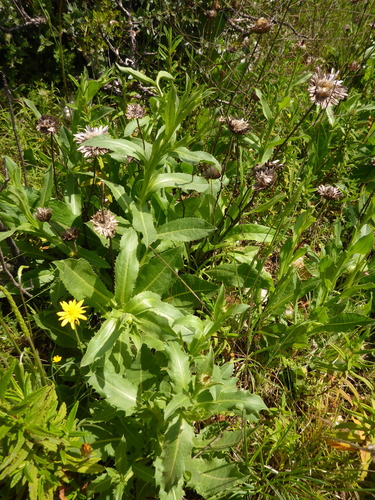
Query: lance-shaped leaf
[185, 182]
[103, 340]
[120, 195]
[253, 232]
[178, 367]
[143, 223]
[127, 265]
[345, 322]
[189, 229]
[194, 157]
[177, 447]
[117, 391]
[82, 283]
[122, 148]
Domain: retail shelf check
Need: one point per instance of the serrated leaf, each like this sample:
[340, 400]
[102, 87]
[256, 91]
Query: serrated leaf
[82, 283]
[235, 401]
[126, 267]
[143, 222]
[189, 229]
[102, 341]
[177, 447]
[156, 275]
[117, 391]
[253, 232]
[178, 367]
[212, 476]
[345, 322]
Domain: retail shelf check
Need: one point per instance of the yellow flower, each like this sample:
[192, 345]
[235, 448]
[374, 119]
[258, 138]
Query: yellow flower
[56, 359]
[72, 312]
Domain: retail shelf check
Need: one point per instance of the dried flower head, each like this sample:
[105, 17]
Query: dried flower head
[325, 89]
[354, 66]
[89, 133]
[209, 171]
[329, 192]
[70, 234]
[261, 25]
[105, 223]
[238, 126]
[135, 111]
[211, 14]
[264, 179]
[43, 214]
[48, 124]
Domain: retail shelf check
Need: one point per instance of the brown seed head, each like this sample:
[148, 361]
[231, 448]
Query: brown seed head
[89, 133]
[135, 111]
[105, 223]
[264, 179]
[354, 66]
[48, 124]
[239, 127]
[261, 25]
[329, 192]
[43, 214]
[325, 89]
[70, 234]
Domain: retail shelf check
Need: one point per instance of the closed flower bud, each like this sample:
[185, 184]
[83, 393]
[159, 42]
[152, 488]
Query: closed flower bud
[48, 124]
[70, 234]
[239, 127]
[43, 214]
[261, 25]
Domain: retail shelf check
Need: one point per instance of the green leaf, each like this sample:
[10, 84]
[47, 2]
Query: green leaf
[176, 449]
[72, 195]
[117, 391]
[182, 296]
[345, 322]
[185, 182]
[253, 232]
[47, 187]
[178, 367]
[239, 275]
[212, 476]
[265, 108]
[238, 401]
[103, 340]
[120, 195]
[363, 245]
[137, 75]
[156, 275]
[121, 147]
[126, 267]
[143, 222]
[189, 229]
[82, 283]
[194, 157]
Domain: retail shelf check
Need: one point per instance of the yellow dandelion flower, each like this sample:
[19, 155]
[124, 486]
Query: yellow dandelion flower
[56, 359]
[72, 312]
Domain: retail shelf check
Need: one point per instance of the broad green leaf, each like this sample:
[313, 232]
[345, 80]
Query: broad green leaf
[178, 367]
[6, 234]
[156, 275]
[72, 195]
[121, 460]
[103, 340]
[239, 275]
[143, 222]
[194, 157]
[117, 391]
[253, 232]
[185, 182]
[239, 402]
[122, 147]
[126, 267]
[187, 291]
[176, 450]
[189, 229]
[32, 106]
[209, 477]
[82, 283]
[176, 404]
[227, 440]
[363, 245]
[345, 322]
[120, 195]
[47, 187]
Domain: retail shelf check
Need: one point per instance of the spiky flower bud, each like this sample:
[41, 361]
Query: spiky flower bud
[48, 124]
[135, 111]
[264, 179]
[43, 214]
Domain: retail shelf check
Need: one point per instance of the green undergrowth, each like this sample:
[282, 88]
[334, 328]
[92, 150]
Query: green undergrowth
[187, 254]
